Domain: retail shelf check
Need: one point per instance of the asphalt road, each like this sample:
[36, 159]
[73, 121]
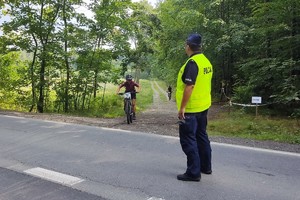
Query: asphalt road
[16, 186]
[50, 160]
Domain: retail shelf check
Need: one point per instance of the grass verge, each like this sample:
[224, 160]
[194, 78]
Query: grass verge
[242, 125]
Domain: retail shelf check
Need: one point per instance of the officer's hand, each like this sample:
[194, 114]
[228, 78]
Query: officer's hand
[181, 114]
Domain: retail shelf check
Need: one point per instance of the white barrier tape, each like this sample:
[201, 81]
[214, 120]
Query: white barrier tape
[246, 105]
[240, 104]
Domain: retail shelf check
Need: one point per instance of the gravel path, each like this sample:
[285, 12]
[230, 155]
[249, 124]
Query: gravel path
[160, 118]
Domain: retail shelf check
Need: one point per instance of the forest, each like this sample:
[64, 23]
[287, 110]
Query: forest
[59, 55]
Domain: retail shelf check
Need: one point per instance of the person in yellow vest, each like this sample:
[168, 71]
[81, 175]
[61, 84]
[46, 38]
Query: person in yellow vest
[193, 99]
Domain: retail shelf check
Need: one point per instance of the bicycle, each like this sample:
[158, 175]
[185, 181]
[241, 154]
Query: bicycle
[128, 106]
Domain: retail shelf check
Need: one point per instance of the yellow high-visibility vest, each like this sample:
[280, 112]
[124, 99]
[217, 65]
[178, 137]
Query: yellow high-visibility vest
[200, 99]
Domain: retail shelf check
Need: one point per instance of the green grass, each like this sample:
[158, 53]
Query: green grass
[114, 104]
[144, 99]
[242, 125]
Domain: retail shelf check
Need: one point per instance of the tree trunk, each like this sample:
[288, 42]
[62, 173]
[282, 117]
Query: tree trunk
[32, 76]
[40, 104]
[84, 96]
[66, 107]
[95, 83]
[103, 93]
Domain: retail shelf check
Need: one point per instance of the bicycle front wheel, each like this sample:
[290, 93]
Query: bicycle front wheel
[128, 112]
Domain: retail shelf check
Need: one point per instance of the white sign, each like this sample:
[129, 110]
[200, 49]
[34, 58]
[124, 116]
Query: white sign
[256, 100]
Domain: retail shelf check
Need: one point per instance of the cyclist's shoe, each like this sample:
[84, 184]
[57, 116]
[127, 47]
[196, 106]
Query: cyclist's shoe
[133, 116]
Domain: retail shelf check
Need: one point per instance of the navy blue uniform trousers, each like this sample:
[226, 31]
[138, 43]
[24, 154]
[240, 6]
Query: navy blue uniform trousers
[195, 143]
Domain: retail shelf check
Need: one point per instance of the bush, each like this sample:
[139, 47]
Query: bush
[243, 94]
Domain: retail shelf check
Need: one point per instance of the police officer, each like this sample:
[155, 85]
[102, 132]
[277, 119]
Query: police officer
[193, 98]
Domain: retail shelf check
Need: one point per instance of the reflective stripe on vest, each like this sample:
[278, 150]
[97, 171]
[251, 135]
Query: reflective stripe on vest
[200, 99]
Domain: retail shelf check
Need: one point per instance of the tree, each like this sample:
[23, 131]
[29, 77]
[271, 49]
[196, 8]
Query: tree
[68, 14]
[14, 77]
[107, 24]
[177, 21]
[274, 53]
[144, 23]
[34, 22]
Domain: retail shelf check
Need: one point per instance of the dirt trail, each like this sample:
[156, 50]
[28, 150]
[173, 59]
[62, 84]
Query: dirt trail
[160, 118]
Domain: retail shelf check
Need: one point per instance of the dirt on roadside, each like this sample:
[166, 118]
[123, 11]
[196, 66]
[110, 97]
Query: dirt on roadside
[160, 118]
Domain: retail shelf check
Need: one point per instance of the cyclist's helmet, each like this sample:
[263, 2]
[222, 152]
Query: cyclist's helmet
[128, 77]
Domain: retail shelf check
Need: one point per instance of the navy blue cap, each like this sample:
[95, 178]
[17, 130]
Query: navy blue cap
[194, 39]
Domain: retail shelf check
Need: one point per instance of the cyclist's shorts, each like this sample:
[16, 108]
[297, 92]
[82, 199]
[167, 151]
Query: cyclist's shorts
[133, 95]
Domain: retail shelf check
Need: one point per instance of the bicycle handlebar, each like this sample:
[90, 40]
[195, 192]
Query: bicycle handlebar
[121, 93]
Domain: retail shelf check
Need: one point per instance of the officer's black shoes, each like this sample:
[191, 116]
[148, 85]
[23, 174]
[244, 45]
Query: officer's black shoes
[185, 177]
[206, 172]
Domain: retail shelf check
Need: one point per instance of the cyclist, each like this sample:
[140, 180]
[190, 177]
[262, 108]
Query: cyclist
[130, 86]
[169, 92]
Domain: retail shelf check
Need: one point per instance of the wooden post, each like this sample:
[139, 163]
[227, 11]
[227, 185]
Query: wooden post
[256, 100]
[256, 110]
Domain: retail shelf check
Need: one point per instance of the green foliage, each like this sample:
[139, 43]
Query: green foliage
[274, 53]
[13, 83]
[296, 114]
[112, 105]
[253, 45]
[243, 94]
[64, 43]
